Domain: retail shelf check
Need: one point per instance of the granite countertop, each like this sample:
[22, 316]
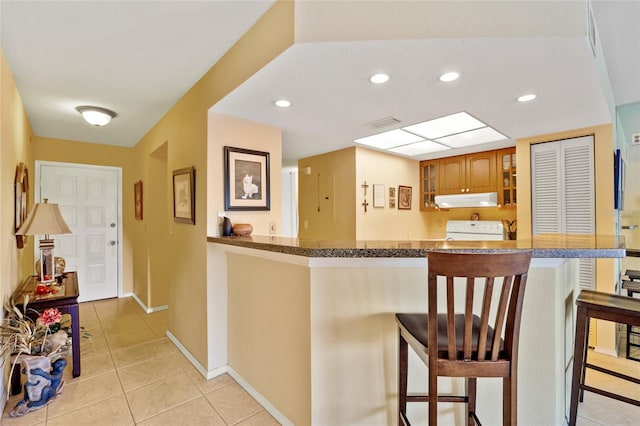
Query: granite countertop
[544, 246]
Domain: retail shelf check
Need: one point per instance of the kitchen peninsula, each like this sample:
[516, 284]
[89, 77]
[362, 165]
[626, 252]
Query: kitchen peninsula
[307, 327]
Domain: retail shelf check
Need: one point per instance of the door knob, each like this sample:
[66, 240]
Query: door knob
[113, 225]
[113, 243]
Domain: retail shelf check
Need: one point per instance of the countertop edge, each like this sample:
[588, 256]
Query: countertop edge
[416, 249]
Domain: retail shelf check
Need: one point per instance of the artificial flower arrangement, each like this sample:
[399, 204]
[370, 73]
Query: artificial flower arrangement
[21, 335]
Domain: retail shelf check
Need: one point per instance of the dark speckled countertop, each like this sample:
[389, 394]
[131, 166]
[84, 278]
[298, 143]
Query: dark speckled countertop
[544, 246]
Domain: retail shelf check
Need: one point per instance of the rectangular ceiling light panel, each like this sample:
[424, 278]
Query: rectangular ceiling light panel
[473, 137]
[389, 139]
[444, 126]
[419, 148]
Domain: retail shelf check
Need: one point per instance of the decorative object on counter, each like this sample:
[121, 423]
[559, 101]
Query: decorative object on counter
[511, 228]
[246, 179]
[45, 219]
[137, 198]
[404, 197]
[21, 183]
[184, 195]
[378, 195]
[226, 227]
[38, 346]
[364, 202]
[475, 216]
[242, 229]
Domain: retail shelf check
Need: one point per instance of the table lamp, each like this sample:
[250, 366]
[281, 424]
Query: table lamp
[45, 219]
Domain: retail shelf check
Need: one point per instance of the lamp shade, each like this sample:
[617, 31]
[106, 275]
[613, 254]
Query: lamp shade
[44, 219]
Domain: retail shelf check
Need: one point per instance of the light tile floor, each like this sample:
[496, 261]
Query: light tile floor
[133, 375]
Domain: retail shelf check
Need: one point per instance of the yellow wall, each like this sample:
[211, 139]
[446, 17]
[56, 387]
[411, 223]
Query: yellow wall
[326, 196]
[223, 131]
[184, 130]
[266, 311]
[49, 149]
[385, 223]
[15, 146]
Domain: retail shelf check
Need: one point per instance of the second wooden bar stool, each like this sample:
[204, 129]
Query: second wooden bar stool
[467, 344]
[608, 307]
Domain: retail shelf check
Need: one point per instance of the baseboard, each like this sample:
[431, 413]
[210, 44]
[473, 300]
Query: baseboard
[144, 307]
[275, 413]
[210, 374]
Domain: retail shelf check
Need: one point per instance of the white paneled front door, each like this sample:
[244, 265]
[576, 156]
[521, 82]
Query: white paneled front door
[89, 201]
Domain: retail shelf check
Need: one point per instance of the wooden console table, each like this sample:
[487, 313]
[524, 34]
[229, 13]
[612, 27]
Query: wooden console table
[65, 299]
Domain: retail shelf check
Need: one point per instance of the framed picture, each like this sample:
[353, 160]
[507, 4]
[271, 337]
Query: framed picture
[378, 195]
[404, 198]
[184, 195]
[137, 197]
[21, 186]
[392, 203]
[392, 192]
[246, 179]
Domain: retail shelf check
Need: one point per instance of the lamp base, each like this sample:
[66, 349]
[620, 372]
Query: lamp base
[47, 265]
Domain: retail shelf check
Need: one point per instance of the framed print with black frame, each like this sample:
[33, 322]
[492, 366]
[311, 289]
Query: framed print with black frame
[246, 179]
[184, 195]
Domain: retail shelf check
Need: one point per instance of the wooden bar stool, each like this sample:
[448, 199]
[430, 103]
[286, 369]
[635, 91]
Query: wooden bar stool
[468, 344]
[608, 307]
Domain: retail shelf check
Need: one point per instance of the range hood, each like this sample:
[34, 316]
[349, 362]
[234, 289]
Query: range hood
[481, 199]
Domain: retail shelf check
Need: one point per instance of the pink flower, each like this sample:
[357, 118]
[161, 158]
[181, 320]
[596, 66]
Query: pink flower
[50, 316]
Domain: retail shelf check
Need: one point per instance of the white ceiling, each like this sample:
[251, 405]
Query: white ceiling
[139, 58]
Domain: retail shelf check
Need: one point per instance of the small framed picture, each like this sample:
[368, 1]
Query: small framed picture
[404, 198]
[392, 203]
[137, 198]
[392, 192]
[378, 195]
[184, 196]
[246, 179]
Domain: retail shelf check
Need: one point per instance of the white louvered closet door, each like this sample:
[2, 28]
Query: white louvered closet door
[563, 193]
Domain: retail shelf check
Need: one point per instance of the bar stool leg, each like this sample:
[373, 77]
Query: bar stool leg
[403, 365]
[579, 358]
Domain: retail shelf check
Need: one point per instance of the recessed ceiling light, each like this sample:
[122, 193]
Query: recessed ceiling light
[449, 76]
[379, 78]
[526, 98]
[419, 148]
[283, 103]
[472, 137]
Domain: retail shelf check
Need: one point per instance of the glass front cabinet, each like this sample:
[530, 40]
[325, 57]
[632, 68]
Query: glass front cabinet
[429, 184]
[507, 195]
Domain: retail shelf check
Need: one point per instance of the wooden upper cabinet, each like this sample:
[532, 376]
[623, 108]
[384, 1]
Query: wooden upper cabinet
[468, 173]
[481, 172]
[507, 191]
[428, 184]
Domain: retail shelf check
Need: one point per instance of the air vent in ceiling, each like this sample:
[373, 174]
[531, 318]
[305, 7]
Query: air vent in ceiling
[384, 122]
[635, 139]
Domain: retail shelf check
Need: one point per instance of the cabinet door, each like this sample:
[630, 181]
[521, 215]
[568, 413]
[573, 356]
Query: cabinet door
[452, 175]
[506, 162]
[428, 184]
[481, 172]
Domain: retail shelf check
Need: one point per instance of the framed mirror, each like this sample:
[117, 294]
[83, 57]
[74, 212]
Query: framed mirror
[21, 185]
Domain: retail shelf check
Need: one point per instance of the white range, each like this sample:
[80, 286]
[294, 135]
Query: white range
[475, 230]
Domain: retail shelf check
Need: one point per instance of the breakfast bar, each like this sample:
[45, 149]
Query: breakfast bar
[307, 327]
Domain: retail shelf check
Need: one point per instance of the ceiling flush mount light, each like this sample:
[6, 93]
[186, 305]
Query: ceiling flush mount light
[527, 98]
[379, 78]
[449, 76]
[96, 116]
[283, 103]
